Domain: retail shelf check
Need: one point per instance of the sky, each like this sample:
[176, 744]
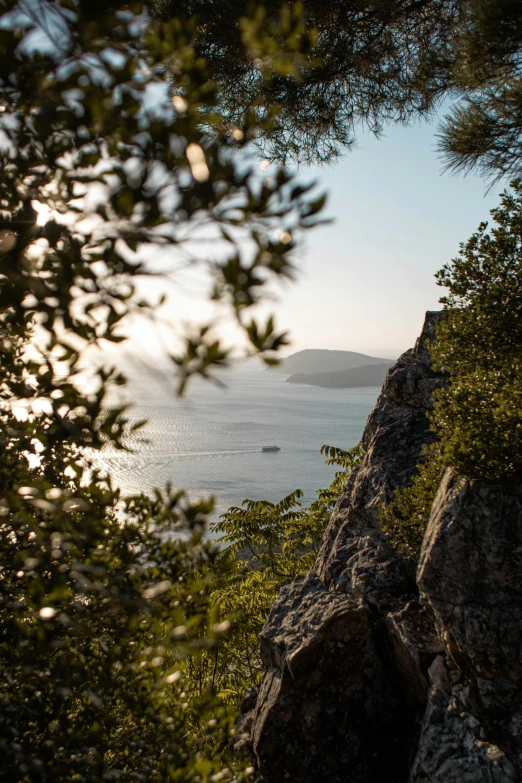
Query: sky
[366, 279]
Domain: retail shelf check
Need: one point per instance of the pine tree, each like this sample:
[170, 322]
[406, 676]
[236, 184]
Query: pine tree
[368, 64]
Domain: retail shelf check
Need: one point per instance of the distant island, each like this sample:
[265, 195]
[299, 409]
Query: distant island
[314, 360]
[334, 369]
[357, 377]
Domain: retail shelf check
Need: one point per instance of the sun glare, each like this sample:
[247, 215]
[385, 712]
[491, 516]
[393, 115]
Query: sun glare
[44, 212]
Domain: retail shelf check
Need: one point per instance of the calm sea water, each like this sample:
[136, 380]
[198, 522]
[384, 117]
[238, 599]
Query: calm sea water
[210, 443]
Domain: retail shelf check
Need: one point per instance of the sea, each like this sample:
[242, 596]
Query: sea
[210, 442]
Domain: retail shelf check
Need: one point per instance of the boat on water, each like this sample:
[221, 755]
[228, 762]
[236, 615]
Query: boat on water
[271, 448]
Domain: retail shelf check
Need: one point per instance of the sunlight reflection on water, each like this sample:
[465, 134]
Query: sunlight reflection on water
[211, 443]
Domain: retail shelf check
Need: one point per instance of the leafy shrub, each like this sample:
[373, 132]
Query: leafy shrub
[478, 418]
[406, 518]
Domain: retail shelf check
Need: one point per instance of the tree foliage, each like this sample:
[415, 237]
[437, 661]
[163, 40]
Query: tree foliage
[101, 597]
[484, 131]
[478, 418]
[406, 518]
[362, 66]
[368, 64]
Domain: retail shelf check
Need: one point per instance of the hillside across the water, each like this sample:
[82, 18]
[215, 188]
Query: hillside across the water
[371, 375]
[318, 360]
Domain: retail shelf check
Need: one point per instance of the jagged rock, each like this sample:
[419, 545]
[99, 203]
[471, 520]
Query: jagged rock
[470, 574]
[337, 645]
[241, 740]
[412, 634]
[250, 700]
[452, 744]
[395, 433]
[363, 564]
[327, 708]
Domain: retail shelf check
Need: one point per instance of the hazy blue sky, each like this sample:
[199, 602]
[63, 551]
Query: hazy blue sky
[367, 278]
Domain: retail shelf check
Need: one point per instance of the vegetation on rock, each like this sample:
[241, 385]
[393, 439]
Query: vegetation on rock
[126, 642]
[478, 418]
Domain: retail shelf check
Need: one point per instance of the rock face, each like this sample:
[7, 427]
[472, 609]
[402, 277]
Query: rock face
[454, 747]
[470, 574]
[395, 433]
[375, 674]
[326, 687]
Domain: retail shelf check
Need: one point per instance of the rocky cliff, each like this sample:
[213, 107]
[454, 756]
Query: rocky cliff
[375, 673]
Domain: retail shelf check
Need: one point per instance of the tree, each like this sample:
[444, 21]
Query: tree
[368, 64]
[100, 601]
[478, 418]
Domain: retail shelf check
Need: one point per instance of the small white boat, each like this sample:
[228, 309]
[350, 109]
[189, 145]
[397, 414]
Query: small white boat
[271, 448]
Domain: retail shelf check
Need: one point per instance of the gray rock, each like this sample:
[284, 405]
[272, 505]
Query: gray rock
[363, 564]
[414, 642]
[395, 433]
[241, 740]
[451, 748]
[470, 574]
[346, 664]
[326, 709]
[368, 681]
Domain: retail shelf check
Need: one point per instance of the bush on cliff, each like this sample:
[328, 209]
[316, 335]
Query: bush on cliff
[406, 518]
[478, 418]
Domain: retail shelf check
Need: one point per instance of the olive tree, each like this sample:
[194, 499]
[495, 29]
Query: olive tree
[99, 597]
